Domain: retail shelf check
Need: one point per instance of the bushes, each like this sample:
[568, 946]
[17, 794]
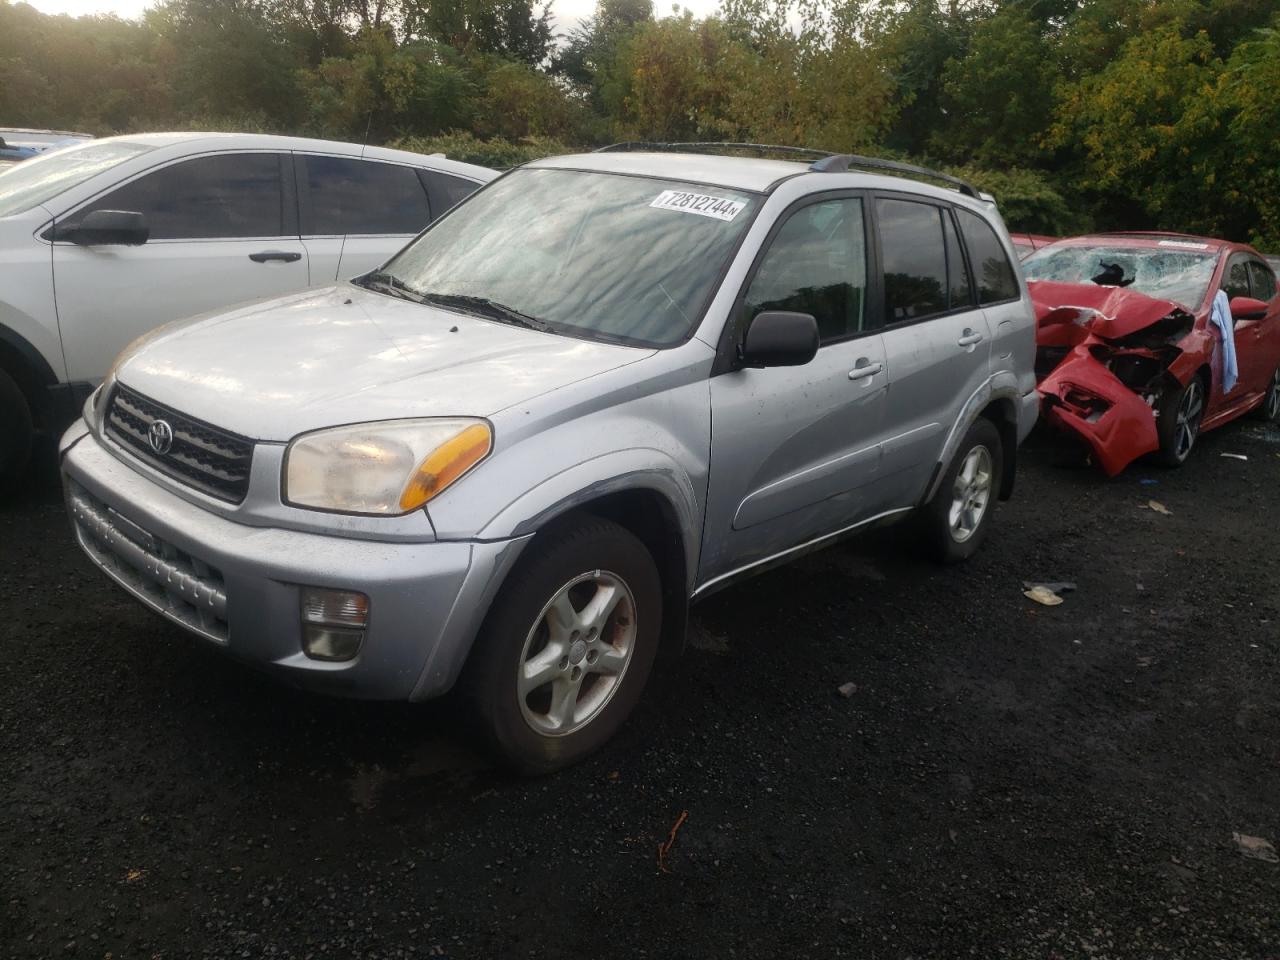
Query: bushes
[497, 153]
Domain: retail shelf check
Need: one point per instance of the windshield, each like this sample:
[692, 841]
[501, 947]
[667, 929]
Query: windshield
[34, 181]
[1178, 275]
[618, 258]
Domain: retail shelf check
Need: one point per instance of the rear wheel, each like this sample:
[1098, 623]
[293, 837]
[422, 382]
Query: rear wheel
[565, 652]
[955, 522]
[1269, 409]
[15, 431]
[1178, 425]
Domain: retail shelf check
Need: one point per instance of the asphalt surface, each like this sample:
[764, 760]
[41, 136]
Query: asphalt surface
[1007, 780]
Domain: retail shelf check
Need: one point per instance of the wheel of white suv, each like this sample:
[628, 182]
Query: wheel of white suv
[1178, 422]
[565, 652]
[15, 431]
[955, 522]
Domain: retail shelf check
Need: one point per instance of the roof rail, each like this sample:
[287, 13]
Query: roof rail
[839, 163]
[709, 146]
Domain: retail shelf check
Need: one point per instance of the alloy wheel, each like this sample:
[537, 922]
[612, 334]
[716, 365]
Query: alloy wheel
[1187, 423]
[576, 653]
[970, 494]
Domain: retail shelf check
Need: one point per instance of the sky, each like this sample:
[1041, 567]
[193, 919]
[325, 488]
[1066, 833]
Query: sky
[567, 12]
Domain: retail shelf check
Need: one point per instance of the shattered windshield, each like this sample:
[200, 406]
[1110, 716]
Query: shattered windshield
[1178, 275]
[624, 259]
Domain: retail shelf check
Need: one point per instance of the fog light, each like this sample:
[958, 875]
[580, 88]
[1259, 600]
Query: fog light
[333, 623]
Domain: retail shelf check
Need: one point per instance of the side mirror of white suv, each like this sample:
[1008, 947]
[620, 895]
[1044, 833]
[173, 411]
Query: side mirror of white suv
[108, 227]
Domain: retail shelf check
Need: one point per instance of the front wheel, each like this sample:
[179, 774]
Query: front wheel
[1178, 424]
[565, 652]
[956, 521]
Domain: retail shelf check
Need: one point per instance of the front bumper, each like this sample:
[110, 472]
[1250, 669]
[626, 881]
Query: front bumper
[238, 586]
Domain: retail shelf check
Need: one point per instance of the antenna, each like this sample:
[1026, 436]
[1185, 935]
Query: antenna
[367, 127]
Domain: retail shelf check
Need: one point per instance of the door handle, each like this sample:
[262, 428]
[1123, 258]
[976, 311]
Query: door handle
[969, 338]
[863, 369]
[285, 256]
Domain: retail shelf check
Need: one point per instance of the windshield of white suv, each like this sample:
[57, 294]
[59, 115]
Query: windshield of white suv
[624, 259]
[1178, 275]
[41, 178]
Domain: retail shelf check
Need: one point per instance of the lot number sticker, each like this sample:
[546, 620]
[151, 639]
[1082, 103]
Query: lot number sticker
[698, 203]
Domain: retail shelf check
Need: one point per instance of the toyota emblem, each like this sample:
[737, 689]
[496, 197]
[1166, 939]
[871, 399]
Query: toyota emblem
[160, 436]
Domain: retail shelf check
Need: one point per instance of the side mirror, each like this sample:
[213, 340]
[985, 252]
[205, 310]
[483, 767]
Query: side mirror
[777, 338]
[1247, 308]
[106, 227]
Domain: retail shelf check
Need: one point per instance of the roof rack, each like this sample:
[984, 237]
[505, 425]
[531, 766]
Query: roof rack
[707, 146]
[827, 161]
[839, 163]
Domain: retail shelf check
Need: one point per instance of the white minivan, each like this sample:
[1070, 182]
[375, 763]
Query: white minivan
[104, 241]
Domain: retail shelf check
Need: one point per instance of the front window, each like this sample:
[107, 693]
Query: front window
[44, 177]
[619, 258]
[1178, 275]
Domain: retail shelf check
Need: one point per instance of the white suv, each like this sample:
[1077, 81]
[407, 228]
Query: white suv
[102, 242]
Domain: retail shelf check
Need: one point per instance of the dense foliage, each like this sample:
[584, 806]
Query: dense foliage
[1076, 113]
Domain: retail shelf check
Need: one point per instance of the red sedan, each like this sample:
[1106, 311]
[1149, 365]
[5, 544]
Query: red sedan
[1130, 357]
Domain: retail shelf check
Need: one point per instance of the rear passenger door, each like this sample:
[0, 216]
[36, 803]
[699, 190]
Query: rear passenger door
[937, 338]
[356, 213]
[223, 230]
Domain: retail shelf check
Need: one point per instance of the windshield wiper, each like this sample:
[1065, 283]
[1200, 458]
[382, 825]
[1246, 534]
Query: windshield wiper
[484, 307]
[384, 282]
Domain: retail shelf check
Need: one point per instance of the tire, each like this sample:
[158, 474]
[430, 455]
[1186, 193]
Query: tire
[1178, 422]
[536, 728]
[15, 432]
[1269, 409]
[955, 522]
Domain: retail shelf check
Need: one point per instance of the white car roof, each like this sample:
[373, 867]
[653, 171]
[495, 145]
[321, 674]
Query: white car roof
[264, 141]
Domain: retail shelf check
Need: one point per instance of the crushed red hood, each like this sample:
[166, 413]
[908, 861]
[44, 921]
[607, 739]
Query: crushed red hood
[1107, 312]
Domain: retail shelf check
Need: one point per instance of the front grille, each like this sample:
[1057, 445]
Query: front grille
[201, 456]
[182, 587]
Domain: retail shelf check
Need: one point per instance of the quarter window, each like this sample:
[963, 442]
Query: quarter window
[224, 196]
[915, 259]
[343, 196]
[446, 191]
[1262, 280]
[991, 267]
[816, 264]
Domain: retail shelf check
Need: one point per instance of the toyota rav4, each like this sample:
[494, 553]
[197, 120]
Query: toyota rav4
[601, 387]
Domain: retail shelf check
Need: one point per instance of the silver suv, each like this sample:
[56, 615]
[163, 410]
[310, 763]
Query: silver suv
[602, 387]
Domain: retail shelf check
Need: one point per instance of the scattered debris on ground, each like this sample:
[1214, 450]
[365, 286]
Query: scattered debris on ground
[1255, 848]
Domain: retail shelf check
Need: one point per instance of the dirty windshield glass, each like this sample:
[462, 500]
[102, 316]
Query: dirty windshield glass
[618, 258]
[1178, 275]
[44, 177]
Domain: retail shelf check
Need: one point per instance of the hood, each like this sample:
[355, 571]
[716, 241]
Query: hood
[275, 369]
[1108, 312]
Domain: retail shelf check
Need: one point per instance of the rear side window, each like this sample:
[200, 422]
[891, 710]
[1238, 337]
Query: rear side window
[816, 264]
[342, 196]
[1262, 280]
[991, 267]
[446, 191]
[1236, 280]
[914, 256]
[225, 196]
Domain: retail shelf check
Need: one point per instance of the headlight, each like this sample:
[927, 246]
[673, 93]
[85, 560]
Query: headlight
[387, 468]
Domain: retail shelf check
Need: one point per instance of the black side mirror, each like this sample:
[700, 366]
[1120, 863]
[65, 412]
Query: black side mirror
[777, 338]
[103, 227]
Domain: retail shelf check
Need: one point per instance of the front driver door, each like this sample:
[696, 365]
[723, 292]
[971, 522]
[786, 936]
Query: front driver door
[795, 449]
[223, 230]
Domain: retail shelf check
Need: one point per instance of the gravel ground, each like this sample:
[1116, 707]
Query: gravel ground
[1008, 780]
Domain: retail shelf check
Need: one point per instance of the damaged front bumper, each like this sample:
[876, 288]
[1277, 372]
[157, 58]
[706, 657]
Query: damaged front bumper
[1105, 359]
[1082, 397]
